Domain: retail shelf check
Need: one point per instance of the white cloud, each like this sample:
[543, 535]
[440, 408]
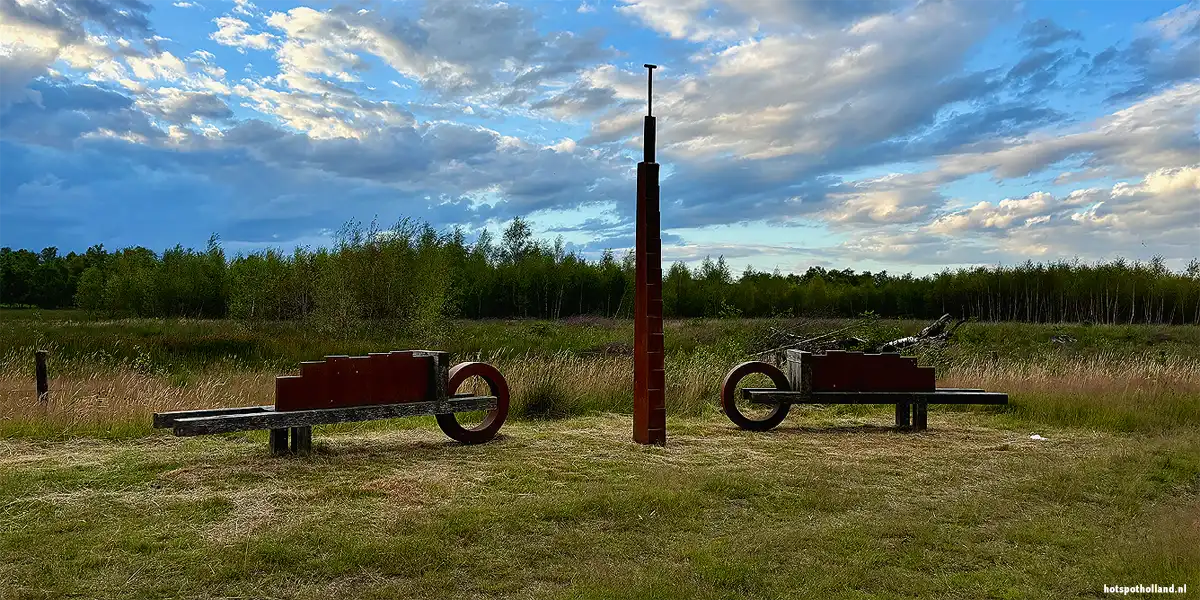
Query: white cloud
[563, 145]
[778, 102]
[244, 7]
[164, 66]
[181, 106]
[894, 199]
[1178, 22]
[1008, 213]
[1156, 132]
[235, 32]
[681, 19]
[815, 90]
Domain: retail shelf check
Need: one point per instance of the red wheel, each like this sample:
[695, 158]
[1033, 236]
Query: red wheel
[729, 396]
[494, 419]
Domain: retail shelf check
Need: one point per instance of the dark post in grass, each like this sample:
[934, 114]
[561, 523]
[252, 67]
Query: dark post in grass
[649, 375]
[43, 387]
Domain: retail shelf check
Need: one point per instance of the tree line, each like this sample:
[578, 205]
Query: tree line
[413, 274]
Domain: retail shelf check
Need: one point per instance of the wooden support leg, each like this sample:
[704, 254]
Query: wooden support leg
[301, 440]
[921, 416]
[902, 415]
[279, 441]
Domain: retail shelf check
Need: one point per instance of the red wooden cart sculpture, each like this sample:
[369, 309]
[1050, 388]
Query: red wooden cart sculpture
[340, 389]
[839, 377]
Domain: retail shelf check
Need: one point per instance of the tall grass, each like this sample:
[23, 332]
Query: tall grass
[1140, 392]
[1119, 392]
[108, 377]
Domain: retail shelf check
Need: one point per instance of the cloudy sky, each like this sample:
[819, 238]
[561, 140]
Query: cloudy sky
[848, 133]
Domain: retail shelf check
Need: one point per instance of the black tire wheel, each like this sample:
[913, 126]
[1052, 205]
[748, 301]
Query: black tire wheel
[491, 424]
[729, 392]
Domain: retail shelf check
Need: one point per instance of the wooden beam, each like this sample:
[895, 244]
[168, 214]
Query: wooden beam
[771, 396]
[167, 419]
[271, 419]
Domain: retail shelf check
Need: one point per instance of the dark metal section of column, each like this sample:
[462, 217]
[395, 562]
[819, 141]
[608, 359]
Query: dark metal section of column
[649, 375]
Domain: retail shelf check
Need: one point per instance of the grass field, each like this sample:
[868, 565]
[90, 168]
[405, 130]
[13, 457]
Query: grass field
[833, 504]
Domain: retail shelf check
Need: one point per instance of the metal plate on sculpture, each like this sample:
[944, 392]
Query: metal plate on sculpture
[343, 381]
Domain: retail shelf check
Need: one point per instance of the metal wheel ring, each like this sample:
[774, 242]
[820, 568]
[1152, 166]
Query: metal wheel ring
[495, 418]
[729, 395]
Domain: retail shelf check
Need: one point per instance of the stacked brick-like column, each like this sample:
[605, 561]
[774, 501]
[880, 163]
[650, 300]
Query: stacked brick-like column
[649, 376]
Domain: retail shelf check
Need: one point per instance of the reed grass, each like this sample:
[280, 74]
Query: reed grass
[1140, 392]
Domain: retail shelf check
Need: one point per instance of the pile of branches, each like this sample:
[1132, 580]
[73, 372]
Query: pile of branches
[940, 331]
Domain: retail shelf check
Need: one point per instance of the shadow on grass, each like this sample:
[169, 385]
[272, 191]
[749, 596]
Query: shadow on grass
[865, 428]
[376, 447]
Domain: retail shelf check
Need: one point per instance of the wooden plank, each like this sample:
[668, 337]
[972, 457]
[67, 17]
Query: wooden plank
[935, 397]
[273, 419]
[758, 391]
[799, 369]
[167, 419]
[439, 375]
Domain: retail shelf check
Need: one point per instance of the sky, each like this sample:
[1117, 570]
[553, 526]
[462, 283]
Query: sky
[910, 136]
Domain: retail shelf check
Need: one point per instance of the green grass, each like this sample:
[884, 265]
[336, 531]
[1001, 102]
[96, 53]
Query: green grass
[821, 508]
[186, 346]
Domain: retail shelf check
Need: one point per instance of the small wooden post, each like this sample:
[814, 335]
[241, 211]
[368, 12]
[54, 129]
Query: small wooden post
[902, 415]
[301, 440]
[920, 416]
[279, 441]
[43, 387]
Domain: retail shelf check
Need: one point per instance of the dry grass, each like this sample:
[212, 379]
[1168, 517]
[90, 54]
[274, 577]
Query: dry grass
[571, 509]
[1140, 392]
[86, 401]
[1104, 374]
[1132, 392]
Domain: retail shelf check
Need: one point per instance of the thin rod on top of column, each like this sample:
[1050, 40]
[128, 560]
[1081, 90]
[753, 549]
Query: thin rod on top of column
[649, 87]
[649, 135]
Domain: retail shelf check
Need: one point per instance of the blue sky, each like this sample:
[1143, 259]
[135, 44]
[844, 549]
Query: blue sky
[871, 134]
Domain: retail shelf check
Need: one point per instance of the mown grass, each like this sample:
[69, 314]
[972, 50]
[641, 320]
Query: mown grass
[822, 508]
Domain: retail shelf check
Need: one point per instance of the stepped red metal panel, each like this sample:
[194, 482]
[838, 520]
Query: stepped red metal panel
[842, 371]
[341, 381]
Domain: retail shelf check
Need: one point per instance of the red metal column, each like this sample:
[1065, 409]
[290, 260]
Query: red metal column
[649, 375]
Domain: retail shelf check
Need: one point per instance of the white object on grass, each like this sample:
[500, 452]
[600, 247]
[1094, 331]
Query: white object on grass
[1036, 437]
